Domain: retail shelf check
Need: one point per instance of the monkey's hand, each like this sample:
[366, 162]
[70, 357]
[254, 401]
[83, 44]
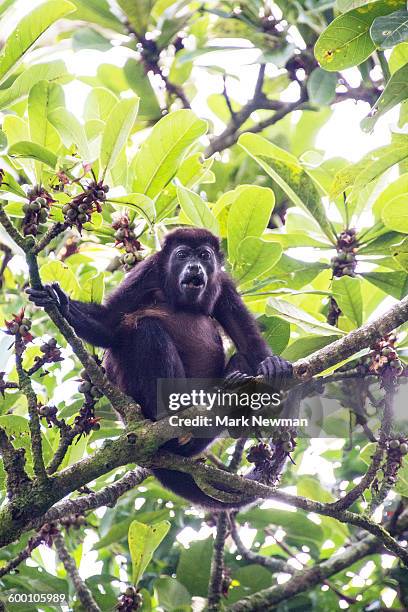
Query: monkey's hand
[276, 371]
[50, 295]
[236, 379]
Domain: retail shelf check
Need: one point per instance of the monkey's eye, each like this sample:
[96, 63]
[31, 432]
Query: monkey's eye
[182, 254]
[205, 255]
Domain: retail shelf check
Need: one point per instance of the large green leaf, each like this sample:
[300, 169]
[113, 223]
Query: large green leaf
[99, 104]
[346, 42]
[285, 169]
[276, 332]
[97, 11]
[139, 81]
[390, 30]
[291, 313]
[118, 127]
[31, 150]
[393, 283]
[321, 86]
[139, 203]
[138, 13]
[306, 346]
[396, 90]
[143, 541]
[161, 153]
[196, 210]
[249, 215]
[394, 189]
[28, 31]
[395, 213]
[347, 293]
[44, 97]
[368, 169]
[71, 130]
[254, 258]
[56, 271]
[53, 71]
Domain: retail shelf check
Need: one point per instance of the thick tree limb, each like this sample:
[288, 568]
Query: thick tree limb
[348, 345]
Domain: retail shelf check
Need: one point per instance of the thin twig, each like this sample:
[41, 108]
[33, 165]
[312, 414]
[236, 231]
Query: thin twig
[84, 594]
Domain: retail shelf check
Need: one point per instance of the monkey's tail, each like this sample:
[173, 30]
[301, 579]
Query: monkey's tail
[185, 486]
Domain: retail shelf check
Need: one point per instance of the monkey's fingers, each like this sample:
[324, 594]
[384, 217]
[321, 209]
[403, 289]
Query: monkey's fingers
[40, 297]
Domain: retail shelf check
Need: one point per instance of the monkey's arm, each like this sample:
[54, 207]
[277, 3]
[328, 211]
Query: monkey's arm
[253, 351]
[97, 323]
[92, 322]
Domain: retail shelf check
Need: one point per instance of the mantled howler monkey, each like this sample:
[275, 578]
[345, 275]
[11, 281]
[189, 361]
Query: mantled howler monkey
[163, 321]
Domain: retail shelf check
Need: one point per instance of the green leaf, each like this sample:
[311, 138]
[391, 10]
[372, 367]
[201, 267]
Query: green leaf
[88, 38]
[171, 594]
[393, 283]
[254, 258]
[348, 5]
[53, 71]
[321, 86]
[395, 213]
[249, 215]
[143, 541]
[347, 293]
[285, 169]
[139, 203]
[306, 346]
[31, 150]
[291, 313]
[346, 42]
[198, 555]
[396, 90]
[161, 153]
[56, 271]
[138, 13]
[310, 487]
[276, 332]
[28, 31]
[96, 11]
[93, 289]
[10, 185]
[390, 30]
[14, 425]
[72, 132]
[400, 254]
[368, 169]
[99, 104]
[394, 189]
[196, 210]
[139, 81]
[118, 127]
[43, 98]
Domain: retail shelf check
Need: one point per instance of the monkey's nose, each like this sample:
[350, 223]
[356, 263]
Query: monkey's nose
[193, 268]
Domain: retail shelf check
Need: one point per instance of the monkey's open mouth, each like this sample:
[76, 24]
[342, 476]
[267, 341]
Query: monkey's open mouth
[193, 282]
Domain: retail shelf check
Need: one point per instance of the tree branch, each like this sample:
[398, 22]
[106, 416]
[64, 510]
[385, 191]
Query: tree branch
[84, 594]
[34, 420]
[350, 344]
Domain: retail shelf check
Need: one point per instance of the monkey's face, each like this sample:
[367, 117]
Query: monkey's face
[193, 270]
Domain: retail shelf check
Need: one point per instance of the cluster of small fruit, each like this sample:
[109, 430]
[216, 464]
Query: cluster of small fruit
[344, 263]
[75, 521]
[86, 421]
[80, 209]
[130, 600]
[20, 327]
[36, 210]
[51, 353]
[49, 413]
[125, 237]
[384, 358]
[396, 451]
